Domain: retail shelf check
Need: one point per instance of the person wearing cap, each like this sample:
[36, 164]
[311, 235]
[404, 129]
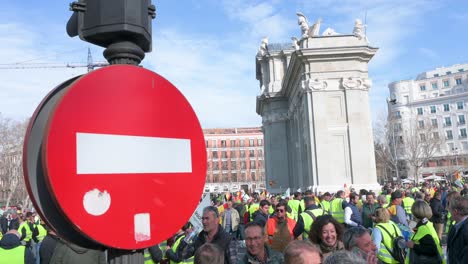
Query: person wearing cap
[12, 251]
[397, 213]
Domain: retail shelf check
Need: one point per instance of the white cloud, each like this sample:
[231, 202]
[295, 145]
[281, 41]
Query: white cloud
[211, 77]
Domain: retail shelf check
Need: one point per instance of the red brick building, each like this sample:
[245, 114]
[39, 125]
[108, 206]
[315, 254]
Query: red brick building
[235, 159]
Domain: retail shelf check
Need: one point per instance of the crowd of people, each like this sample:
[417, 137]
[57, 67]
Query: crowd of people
[399, 224]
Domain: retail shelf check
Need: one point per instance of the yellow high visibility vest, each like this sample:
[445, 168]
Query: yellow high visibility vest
[42, 232]
[308, 220]
[14, 255]
[408, 202]
[337, 211]
[294, 204]
[387, 242]
[423, 230]
[325, 206]
[28, 236]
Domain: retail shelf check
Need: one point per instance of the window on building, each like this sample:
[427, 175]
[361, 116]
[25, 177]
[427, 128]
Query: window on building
[233, 154]
[422, 137]
[242, 153]
[223, 143]
[434, 86]
[252, 164]
[251, 153]
[260, 142]
[243, 165]
[464, 145]
[433, 109]
[215, 166]
[420, 111]
[233, 165]
[434, 122]
[206, 143]
[449, 134]
[242, 143]
[214, 143]
[397, 127]
[233, 177]
[225, 177]
[435, 135]
[215, 154]
[422, 87]
[421, 123]
[446, 83]
[397, 114]
[251, 142]
[223, 154]
[458, 81]
[260, 153]
[436, 75]
[252, 175]
[461, 119]
[448, 73]
[463, 133]
[448, 121]
[446, 107]
[460, 105]
[224, 165]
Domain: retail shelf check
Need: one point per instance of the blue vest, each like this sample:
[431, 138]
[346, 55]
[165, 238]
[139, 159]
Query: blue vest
[356, 216]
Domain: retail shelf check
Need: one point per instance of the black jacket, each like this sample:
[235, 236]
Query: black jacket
[438, 211]
[457, 244]
[3, 224]
[10, 241]
[47, 248]
[260, 218]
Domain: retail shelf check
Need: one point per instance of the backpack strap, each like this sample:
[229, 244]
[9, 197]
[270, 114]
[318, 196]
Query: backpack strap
[391, 251]
[311, 214]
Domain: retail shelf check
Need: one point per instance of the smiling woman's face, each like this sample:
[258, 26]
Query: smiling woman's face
[328, 234]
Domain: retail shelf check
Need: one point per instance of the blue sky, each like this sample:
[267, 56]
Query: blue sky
[207, 48]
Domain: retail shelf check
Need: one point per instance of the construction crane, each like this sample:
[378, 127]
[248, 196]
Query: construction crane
[90, 65]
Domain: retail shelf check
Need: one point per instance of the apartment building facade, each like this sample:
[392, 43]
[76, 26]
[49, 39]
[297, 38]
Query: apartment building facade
[435, 102]
[235, 159]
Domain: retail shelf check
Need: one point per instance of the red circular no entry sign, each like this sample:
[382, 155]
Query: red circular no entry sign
[124, 157]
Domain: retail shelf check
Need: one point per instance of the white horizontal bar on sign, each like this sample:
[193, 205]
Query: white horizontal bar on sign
[118, 154]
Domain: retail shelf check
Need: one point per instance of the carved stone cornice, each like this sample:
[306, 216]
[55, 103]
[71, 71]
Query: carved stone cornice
[353, 83]
[314, 84]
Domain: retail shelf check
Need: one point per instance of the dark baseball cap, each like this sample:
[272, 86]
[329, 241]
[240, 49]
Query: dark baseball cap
[396, 195]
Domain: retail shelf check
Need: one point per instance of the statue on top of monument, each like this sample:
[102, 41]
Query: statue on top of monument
[359, 30]
[302, 22]
[295, 43]
[262, 50]
[315, 28]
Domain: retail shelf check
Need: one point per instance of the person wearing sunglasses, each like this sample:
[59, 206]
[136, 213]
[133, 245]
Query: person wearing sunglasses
[280, 228]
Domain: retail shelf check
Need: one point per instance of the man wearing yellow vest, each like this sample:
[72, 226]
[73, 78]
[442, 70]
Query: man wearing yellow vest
[38, 234]
[11, 250]
[295, 205]
[408, 201]
[26, 229]
[174, 254]
[337, 207]
[307, 218]
[325, 202]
